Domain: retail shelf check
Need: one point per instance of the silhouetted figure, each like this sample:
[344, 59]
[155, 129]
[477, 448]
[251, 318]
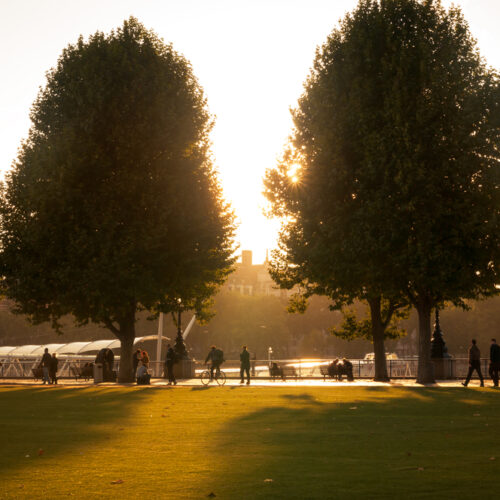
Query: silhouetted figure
[347, 369]
[107, 359]
[338, 368]
[494, 361]
[216, 358]
[333, 369]
[135, 359]
[275, 371]
[170, 360]
[474, 364]
[53, 368]
[45, 364]
[110, 361]
[244, 365]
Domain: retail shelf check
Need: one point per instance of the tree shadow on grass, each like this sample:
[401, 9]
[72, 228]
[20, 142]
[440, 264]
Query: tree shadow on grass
[41, 422]
[415, 443]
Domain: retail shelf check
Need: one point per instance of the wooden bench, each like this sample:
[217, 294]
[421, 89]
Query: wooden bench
[282, 372]
[323, 369]
[85, 372]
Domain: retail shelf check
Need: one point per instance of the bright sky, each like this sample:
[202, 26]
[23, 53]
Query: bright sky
[251, 57]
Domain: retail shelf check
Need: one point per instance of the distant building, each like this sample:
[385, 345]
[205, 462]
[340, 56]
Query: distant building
[253, 279]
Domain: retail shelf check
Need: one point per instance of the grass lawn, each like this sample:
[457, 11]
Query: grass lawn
[245, 442]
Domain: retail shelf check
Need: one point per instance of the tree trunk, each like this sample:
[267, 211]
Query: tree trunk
[127, 337]
[378, 334]
[425, 374]
[125, 372]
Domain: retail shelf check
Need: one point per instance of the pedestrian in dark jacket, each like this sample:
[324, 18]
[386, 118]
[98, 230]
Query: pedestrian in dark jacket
[474, 364]
[215, 357]
[53, 368]
[245, 365]
[494, 361]
[169, 365]
[46, 362]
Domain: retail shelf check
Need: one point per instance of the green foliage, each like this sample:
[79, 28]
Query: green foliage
[397, 142]
[113, 206]
[352, 328]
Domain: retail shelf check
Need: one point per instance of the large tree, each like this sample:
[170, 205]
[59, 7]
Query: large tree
[397, 193]
[112, 205]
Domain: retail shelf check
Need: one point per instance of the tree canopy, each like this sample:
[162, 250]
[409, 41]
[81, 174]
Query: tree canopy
[390, 186]
[113, 205]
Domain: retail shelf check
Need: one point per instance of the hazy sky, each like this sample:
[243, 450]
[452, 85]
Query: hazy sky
[251, 57]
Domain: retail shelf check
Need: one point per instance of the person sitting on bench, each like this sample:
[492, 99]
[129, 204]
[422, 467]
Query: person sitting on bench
[143, 377]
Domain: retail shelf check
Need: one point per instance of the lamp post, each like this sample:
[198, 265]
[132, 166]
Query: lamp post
[439, 352]
[180, 347]
[438, 345]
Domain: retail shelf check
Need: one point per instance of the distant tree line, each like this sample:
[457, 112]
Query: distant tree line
[261, 321]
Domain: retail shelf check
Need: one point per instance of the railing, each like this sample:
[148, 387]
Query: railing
[69, 367]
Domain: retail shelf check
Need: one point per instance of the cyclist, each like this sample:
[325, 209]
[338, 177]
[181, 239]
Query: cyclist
[216, 358]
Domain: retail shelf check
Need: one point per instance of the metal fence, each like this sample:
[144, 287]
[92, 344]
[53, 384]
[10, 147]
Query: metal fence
[71, 367]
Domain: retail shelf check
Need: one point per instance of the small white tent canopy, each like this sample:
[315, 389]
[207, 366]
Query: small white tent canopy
[6, 349]
[51, 347]
[72, 348]
[100, 344]
[23, 350]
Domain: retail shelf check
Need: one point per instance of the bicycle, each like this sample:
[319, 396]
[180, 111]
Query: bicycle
[219, 377]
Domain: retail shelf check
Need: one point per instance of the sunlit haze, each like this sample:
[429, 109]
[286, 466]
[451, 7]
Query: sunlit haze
[251, 57]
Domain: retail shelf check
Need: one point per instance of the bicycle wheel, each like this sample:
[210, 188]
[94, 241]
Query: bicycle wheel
[221, 378]
[205, 377]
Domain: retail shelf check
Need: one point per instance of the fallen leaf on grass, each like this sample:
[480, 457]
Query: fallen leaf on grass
[476, 415]
[40, 452]
[163, 415]
[353, 408]
[268, 480]
[492, 458]
[27, 456]
[117, 481]
[420, 469]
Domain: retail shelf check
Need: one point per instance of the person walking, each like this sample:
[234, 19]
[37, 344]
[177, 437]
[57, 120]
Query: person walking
[169, 365]
[46, 362]
[474, 364]
[245, 365]
[494, 361]
[53, 368]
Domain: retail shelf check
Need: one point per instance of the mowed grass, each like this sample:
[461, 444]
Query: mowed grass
[247, 442]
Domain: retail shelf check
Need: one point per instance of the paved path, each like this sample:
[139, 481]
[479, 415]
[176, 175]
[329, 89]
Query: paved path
[255, 383]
